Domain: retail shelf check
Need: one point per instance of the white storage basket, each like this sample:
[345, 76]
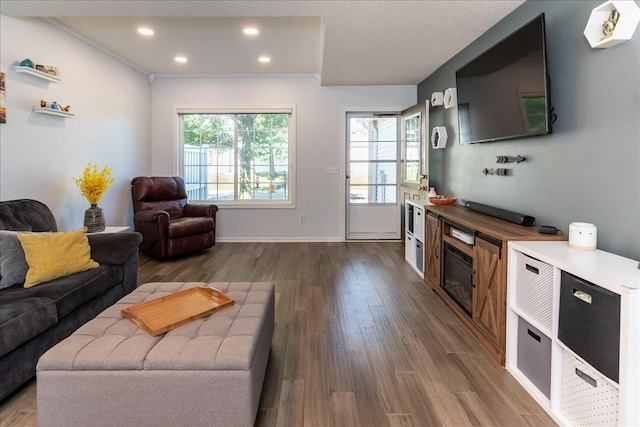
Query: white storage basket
[534, 294]
[587, 398]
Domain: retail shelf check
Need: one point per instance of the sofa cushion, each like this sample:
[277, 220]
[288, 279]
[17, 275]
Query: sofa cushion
[13, 265]
[26, 215]
[23, 319]
[54, 255]
[70, 292]
[189, 226]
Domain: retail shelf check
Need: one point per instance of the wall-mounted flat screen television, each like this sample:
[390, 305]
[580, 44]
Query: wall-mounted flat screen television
[504, 92]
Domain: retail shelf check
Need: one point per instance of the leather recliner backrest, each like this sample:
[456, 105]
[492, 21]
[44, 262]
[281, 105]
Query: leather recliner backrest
[163, 193]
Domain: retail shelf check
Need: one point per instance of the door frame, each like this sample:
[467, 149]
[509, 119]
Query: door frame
[411, 190]
[343, 161]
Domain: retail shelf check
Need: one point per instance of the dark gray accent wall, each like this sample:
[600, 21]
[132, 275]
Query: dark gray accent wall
[588, 169]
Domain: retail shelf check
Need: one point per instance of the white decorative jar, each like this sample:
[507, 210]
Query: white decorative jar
[583, 236]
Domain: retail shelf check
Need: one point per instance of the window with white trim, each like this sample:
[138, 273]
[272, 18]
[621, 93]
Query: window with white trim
[237, 157]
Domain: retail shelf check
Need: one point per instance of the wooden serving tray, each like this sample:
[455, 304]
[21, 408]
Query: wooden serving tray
[160, 315]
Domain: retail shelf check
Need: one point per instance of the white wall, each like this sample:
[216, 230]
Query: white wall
[40, 155]
[320, 138]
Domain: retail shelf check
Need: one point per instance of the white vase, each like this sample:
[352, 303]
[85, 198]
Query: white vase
[432, 192]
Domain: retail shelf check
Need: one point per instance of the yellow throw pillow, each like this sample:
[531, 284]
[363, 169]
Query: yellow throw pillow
[54, 255]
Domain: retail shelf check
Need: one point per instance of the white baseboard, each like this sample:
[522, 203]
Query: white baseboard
[277, 239]
[298, 240]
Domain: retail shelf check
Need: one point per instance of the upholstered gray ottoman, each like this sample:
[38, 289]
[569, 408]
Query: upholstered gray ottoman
[208, 372]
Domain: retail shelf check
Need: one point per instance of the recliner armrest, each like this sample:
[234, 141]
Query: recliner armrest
[200, 210]
[113, 248]
[152, 215]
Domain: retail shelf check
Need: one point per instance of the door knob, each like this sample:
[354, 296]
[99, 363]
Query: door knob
[423, 176]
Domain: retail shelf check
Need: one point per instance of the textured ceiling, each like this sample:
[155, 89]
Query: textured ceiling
[343, 42]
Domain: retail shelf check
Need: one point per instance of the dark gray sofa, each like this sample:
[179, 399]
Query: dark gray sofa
[35, 319]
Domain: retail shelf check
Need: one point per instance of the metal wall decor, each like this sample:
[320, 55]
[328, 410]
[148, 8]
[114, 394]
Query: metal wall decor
[510, 159]
[498, 171]
[504, 159]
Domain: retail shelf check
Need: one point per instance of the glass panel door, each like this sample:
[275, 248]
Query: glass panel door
[372, 180]
[412, 132]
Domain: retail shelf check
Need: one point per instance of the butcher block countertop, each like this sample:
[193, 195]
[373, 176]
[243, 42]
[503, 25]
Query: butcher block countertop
[485, 224]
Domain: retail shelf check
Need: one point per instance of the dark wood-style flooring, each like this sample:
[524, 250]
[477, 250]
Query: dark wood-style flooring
[359, 341]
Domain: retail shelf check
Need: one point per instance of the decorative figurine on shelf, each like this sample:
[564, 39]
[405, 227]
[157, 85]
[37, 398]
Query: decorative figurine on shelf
[27, 63]
[609, 25]
[43, 103]
[66, 109]
[55, 106]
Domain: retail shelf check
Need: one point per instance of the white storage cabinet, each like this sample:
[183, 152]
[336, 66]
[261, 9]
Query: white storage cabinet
[414, 221]
[542, 277]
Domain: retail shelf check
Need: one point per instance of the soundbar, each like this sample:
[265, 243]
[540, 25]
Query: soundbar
[510, 216]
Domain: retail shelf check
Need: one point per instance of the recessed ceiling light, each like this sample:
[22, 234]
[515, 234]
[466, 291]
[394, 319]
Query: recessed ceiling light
[264, 59]
[145, 31]
[180, 59]
[250, 31]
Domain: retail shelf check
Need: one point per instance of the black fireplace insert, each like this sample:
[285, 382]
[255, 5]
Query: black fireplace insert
[458, 277]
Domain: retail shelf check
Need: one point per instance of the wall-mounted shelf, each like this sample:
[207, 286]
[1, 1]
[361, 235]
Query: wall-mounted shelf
[450, 98]
[37, 74]
[52, 112]
[624, 28]
[439, 137]
[437, 99]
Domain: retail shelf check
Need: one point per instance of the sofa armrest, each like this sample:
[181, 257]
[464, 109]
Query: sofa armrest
[113, 248]
[201, 210]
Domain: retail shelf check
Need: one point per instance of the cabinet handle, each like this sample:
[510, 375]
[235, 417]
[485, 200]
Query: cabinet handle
[533, 335]
[582, 295]
[532, 269]
[589, 380]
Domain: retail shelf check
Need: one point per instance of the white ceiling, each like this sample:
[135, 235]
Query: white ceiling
[343, 42]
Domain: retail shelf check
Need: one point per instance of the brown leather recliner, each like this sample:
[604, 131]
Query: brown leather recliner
[168, 224]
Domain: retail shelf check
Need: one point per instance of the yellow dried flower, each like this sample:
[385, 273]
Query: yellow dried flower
[93, 183]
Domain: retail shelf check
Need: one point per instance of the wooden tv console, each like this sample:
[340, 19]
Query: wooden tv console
[489, 278]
